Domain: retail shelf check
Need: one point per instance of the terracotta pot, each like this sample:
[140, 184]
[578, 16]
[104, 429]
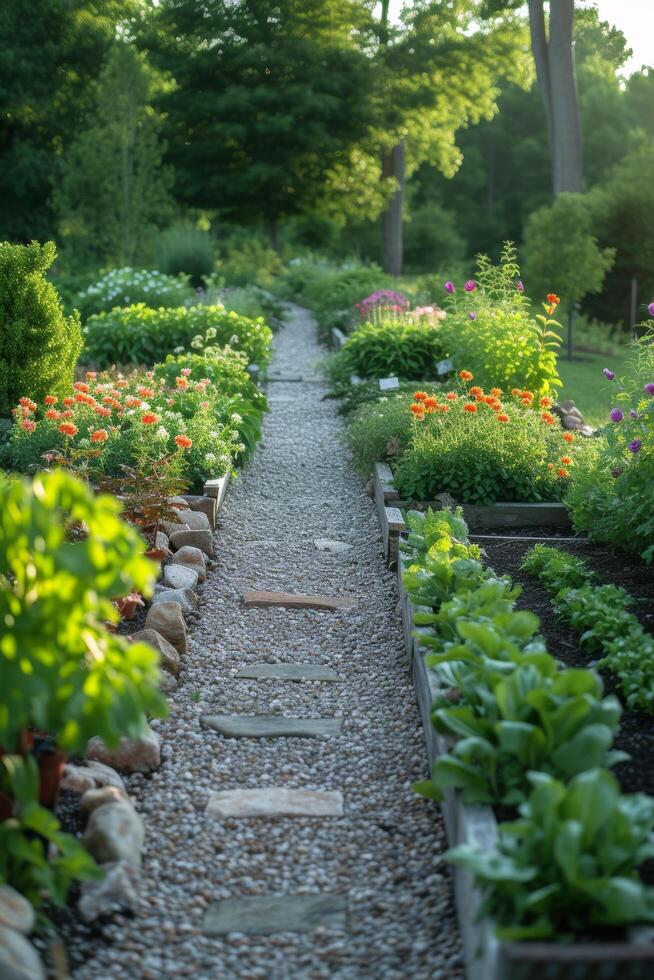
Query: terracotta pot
[156, 554]
[128, 605]
[51, 762]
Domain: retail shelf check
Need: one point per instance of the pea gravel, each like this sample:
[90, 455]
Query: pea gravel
[385, 856]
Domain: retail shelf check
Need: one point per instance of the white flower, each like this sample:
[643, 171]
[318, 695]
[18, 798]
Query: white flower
[162, 433]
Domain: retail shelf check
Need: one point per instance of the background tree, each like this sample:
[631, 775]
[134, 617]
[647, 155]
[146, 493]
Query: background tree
[114, 190]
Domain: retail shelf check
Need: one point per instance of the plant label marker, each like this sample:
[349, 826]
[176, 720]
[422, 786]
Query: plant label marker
[444, 367]
[388, 384]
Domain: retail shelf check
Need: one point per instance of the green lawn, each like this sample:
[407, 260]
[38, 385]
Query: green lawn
[585, 384]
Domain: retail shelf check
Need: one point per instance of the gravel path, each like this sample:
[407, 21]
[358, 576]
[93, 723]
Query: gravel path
[385, 854]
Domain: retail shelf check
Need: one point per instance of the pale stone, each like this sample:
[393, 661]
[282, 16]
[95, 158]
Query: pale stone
[269, 726]
[130, 755]
[166, 618]
[168, 655]
[171, 526]
[180, 577]
[274, 801]
[116, 892]
[95, 774]
[263, 915]
[336, 547]
[93, 798]
[15, 911]
[18, 958]
[115, 832]
[204, 505]
[167, 683]
[161, 541]
[193, 539]
[196, 520]
[290, 601]
[288, 672]
[193, 558]
[185, 598]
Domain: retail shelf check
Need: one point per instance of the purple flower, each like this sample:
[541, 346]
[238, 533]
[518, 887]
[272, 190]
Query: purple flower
[616, 415]
[635, 446]
[609, 375]
[634, 415]
[649, 388]
[472, 315]
[449, 287]
[618, 471]
[650, 309]
[520, 286]
[470, 286]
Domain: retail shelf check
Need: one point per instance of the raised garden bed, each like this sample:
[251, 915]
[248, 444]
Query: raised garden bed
[500, 515]
[486, 957]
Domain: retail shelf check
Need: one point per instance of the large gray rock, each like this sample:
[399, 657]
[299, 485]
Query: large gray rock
[115, 832]
[94, 775]
[180, 577]
[190, 557]
[262, 915]
[275, 801]
[130, 755]
[194, 539]
[171, 526]
[15, 911]
[116, 892]
[196, 520]
[270, 726]
[185, 598]
[18, 958]
[205, 505]
[166, 618]
[168, 655]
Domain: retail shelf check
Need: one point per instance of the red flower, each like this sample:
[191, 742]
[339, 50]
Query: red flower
[50, 400]
[183, 442]
[29, 425]
[52, 414]
[470, 407]
[548, 418]
[99, 435]
[80, 386]
[503, 417]
[149, 418]
[68, 429]
[568, 437]
[466, 375]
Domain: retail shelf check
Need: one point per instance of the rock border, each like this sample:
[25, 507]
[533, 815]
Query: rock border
[486, 957]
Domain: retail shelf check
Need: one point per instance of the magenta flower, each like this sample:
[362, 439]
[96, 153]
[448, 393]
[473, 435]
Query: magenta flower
[449, 287]
[616, 415]
[649, 388]
[609, 375]
[520, 286]
[650, 309]
[472, 315]
[470, 286]
[635, 446]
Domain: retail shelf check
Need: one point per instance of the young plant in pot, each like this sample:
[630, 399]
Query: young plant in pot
[64, 676]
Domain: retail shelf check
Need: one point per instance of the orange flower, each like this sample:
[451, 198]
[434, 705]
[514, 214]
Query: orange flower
[548, 418]
[149, 418]
[496, 392]
[99, 435]
[470, 407]
[84, 399]
[451, 396]
[50, 399]
[104, 412]
[132, 402]
[476, 390]
[27, 404]
[553, 299]
[69, 401]
[527, 396]
[29, 425]
[562, 473]
[466, 375]
[546, 402]
[144, 392]
[183, 442]
[550, 466]
[420, 396]
[417, 410]
[443, 408]
[430, 403]
[80, 386]
[566, 460]
[181, 383]
[568, 437]
[502, 417]
[122, 383]
[516, 391]
[68, 414]
[68, 429]
[91, 375]
[52, 414]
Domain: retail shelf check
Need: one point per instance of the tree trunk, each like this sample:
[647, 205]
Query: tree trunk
[393, 165]
[555, 72]
[272, 235]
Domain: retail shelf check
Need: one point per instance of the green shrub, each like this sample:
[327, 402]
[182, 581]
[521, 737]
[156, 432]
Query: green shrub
[491, 331]
[141, 335]
[432, 238]
[126, 287]
[379, 431]
[402, 346]
[185, 249]
[249, 262]
[39, 346]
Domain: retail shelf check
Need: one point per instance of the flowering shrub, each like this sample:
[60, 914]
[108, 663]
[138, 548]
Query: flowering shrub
[382, 299]
[485, 446]
[141, 335]
[124, 287]
[108, 422]
[491, 330]
[379, 430]
[611, 497]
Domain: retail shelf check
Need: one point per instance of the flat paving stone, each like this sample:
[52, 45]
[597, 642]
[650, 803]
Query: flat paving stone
[335, 547]
[275, 801]
[270, 726]
[289, 672]
[322, 603]
[262, 915]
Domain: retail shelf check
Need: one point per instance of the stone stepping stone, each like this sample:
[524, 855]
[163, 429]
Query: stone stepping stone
[263, 915]
[287, 600]
[270, 726]
[275, 801]
[335, 547]
[289, 672]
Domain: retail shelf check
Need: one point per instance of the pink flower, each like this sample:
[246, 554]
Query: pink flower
[520, 286]
[470, 286]
[650, 310]
[449, 287]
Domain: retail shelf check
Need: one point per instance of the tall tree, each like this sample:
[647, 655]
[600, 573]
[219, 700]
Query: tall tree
[269, 98]
[114, 190]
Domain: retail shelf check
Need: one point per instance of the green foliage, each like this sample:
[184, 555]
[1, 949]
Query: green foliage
[113, 191]
[600, 613]
[432, 239]
[38, 344]
[61, 670]
[569, 863]
[561, 252]
[504, 344]
[36, 857]
[249, 261]
[403, 346]
[379, 430]
[140, 335]
[125, 287]
[184, 248]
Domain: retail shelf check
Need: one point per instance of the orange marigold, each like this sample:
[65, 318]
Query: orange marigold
[102, 411]
[132, 402]
[29, 425]
[466, 375]
[562, 473]
[527, 396]
[27, 404]
[99, 435]
[181, 383]
[144, 392]
[548, 418]
[50, 399]
[149, 418]
[566, 460]
[502, 417]
[420, 396]
[430, 403]
[451, 396]
[183, 442]
[52, 414]
[69, 401]
[80, 386]
[470, 407]
[516, 391]
[417, 409]
[546, 402]
[568, 437]
[122, 383]
[68, 429]
[68, 413]
[553, 299]
[475, 390]
[496, 392]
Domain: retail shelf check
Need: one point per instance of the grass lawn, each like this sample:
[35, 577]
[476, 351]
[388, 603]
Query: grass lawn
[585, 384]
